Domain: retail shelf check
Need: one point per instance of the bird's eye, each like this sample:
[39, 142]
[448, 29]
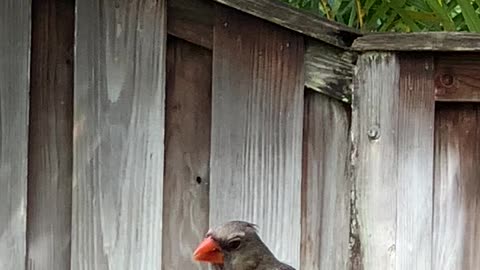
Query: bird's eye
[234, 244]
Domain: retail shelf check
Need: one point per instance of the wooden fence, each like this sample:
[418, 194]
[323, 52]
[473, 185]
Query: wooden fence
[127, 128]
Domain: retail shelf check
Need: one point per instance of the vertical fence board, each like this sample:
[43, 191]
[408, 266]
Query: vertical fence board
[118, 135]
[50, 140]
[257, 129]
[325, 184]
[14, 87]
[457, 187]
[393, 132]
[416, 117]
[187, 152]
[374, 104]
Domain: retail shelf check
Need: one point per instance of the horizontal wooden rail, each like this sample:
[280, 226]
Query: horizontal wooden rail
[421, 41]
[457, 77]
[297, 20]
[328, 69]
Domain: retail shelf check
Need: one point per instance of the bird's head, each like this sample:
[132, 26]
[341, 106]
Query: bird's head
[235, 242]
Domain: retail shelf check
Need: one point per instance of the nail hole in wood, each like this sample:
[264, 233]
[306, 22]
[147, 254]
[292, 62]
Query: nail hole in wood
[373, 133]
[199, 180]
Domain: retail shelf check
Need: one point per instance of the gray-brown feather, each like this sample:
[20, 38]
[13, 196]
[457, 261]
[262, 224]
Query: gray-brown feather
[251, 254]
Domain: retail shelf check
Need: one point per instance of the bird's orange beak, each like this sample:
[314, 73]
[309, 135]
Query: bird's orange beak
[208, 251]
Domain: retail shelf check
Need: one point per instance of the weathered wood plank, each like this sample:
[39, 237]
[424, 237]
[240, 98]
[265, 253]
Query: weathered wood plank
[329, 70]
[14, 87]
[416, 118]
[297, 20]
[257, 129]
[192, 20]
[50, 141]
[392, 128]
[457, 187]
[325, 185]
[187, 153]
[457, 77]
[374, 102]
[118, 135]
[420, 41]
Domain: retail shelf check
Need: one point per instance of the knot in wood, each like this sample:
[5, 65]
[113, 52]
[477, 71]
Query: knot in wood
[446, 80]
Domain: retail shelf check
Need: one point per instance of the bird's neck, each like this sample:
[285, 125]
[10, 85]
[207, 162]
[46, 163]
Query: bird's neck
[252, 260]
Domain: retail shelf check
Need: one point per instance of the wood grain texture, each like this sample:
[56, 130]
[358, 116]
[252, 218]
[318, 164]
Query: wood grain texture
[393, 115]
[374, 102]
[187, 153]
[257, 129]
[50, 141]
[14, 87]
[329, 70]
[325, 185]
[457, 77]
[457, 187]
[118, 135]
[415, 145]
[192, 20]
[297, 20]
[421, 41]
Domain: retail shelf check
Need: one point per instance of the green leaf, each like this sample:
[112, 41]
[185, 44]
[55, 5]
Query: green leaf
[407, 20]
[336, 6]
[419, 4]
[345, 11]
[380, 12]
[315, 4]
[389, 23]
[397, 3]
[471, 18]
[399, 15]
[368, 5]
[353, 15]
[426, 17]
[451, 6]
[440, 11]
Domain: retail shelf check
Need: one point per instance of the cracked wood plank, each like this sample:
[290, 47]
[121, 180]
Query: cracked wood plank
[393, 117]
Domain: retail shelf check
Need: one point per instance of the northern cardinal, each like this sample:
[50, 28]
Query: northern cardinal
[237, 246]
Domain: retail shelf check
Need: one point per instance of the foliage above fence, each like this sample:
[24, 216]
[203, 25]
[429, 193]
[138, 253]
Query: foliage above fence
[398, 15]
